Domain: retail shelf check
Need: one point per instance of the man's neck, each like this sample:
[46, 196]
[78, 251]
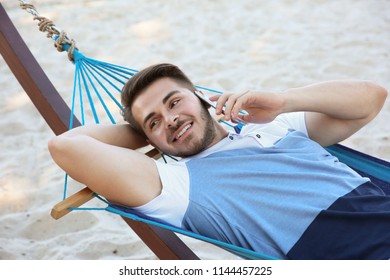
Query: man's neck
[221, 133]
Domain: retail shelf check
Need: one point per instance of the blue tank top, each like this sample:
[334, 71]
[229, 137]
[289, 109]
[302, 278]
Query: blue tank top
[264, 199]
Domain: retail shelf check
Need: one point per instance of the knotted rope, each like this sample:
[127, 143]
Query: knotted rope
[47, 26]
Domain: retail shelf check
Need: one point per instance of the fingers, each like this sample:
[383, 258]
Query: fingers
[229, 104]
[221, 100]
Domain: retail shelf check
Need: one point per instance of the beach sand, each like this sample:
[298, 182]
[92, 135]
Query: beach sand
[248, 44]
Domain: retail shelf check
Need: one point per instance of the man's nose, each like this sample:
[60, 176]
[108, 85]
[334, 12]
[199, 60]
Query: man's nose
[171, 120]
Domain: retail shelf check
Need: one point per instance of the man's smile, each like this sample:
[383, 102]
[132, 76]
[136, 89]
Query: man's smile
[181, 131]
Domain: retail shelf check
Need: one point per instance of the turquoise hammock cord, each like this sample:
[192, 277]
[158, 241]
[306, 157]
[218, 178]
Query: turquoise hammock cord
[94, 82]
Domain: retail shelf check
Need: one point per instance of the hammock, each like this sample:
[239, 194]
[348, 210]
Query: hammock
[93, 97]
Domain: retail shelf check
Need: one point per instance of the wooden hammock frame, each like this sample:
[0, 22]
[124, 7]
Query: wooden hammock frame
[165, 244]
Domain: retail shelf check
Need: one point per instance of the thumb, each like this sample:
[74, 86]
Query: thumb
[245, 118]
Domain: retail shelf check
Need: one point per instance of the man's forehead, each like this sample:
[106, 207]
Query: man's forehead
[155, 96]
[158, 89]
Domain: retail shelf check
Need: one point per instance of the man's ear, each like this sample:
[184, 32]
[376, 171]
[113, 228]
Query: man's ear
[208, 106]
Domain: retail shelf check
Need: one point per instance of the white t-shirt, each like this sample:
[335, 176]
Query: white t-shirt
[171, 205]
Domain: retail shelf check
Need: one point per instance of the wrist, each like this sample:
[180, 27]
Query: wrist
[295, 100]
[287, 101]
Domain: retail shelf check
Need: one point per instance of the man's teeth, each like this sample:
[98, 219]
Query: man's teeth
[183, 131]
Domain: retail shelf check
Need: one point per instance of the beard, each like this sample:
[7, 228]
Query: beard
[196, 146]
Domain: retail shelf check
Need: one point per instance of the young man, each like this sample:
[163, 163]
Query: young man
[272, 188]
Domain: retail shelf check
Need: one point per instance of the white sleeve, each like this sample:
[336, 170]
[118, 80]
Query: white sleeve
[294, 120]
[278, 128]
[171, 205]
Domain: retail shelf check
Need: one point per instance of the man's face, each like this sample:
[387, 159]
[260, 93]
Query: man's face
[174, 120]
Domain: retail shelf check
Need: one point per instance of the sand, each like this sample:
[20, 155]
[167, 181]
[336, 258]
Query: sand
[225, 45]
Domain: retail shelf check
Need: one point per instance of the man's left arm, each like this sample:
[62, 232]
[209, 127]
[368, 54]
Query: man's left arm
[337, 109]
[334, 110]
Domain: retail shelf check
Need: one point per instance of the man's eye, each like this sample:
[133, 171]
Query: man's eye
[154, 123]
[174, 103]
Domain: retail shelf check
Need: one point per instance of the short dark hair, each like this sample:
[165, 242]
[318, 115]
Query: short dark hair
[144, 78]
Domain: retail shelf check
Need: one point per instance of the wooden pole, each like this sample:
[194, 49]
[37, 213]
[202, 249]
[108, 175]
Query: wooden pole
[164, 243]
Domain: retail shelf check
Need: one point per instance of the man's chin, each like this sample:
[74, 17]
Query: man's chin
[183, 153]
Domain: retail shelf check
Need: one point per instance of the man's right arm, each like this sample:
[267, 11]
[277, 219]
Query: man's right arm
[121, 135]
[103, 157]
